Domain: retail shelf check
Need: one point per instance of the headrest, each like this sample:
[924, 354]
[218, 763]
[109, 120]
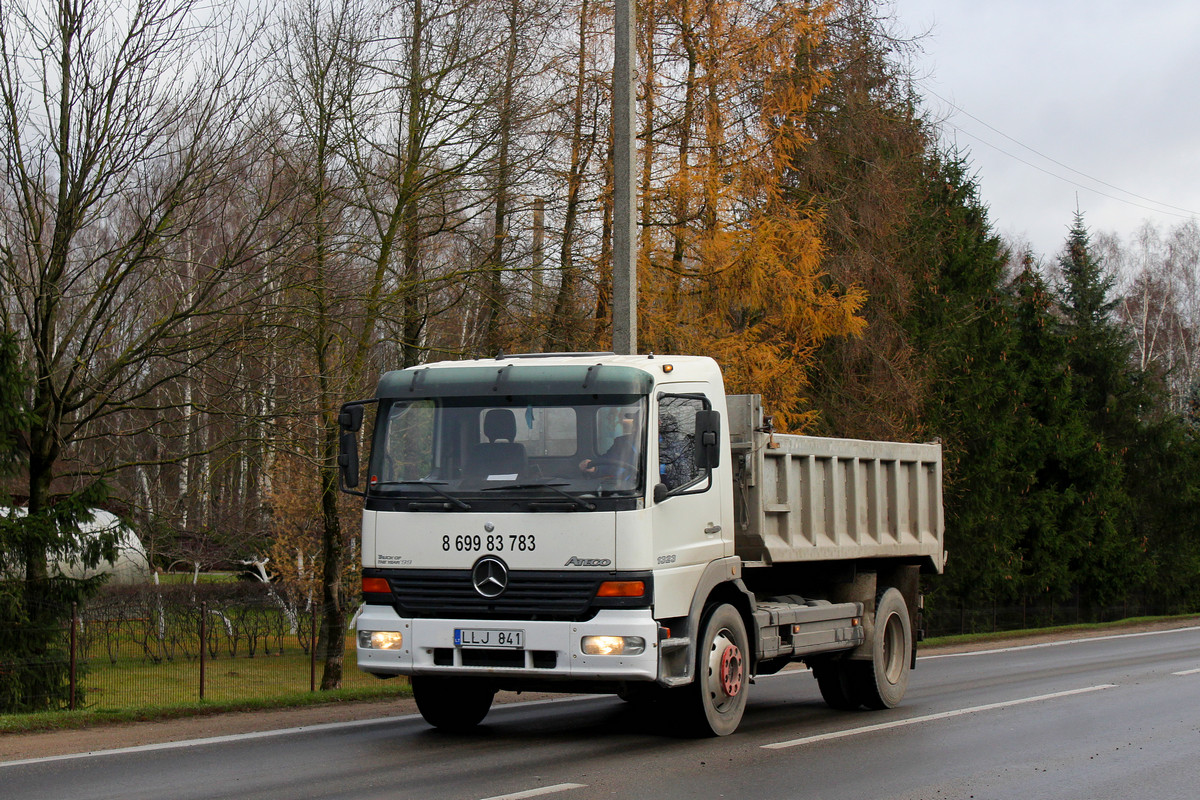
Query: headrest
[500, 423]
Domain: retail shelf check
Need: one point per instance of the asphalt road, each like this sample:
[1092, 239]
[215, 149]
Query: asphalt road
[1117, 717]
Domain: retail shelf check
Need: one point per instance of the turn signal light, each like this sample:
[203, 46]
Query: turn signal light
[621, 589]
[376, 585]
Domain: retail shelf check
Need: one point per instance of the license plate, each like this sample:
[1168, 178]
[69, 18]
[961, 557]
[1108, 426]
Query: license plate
[485, 637]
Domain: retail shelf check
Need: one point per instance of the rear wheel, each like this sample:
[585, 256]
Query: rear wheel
[452, 704]
[722, 673]
[838, 681]
[883, 681]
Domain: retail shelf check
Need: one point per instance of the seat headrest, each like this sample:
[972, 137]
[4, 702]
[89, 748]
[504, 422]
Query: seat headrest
[500, 423]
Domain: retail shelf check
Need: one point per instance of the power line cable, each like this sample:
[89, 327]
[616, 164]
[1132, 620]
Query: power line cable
[1181, 215]
[1184, 213]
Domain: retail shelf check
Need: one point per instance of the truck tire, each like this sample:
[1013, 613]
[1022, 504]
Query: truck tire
[642, 694]
[452, 704]
[718, 695]
[839, 682]
[883, 680]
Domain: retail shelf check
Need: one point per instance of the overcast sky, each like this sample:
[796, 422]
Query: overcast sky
[1110, 91]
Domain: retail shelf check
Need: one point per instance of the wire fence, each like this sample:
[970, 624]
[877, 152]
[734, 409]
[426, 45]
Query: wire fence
[942, 618]
[149, 646]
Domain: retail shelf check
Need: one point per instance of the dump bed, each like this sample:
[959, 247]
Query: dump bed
[805, 498]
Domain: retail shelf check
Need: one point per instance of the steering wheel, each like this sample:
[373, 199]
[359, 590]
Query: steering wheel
[613, 468]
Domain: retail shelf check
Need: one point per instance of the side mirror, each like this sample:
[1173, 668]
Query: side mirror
[708, 439]
[348, 455]
[351, 417]
[350, 420]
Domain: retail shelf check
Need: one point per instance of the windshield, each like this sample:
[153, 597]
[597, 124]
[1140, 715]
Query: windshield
[457, 452]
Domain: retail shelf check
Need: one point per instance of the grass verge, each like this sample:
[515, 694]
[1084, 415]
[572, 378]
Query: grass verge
[74, 720]
[984, 638]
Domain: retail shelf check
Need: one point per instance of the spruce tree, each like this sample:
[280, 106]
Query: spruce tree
[1110, 395]
[35, 610]
[1053, 447]
[959, 323]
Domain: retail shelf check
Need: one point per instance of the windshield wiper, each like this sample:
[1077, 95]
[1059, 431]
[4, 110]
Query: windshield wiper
[578, 501]
[432, 485]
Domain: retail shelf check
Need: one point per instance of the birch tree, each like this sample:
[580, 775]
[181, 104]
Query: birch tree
[118, 125]
[1158, 275]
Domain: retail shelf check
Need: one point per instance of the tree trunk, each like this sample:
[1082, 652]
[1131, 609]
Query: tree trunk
[333, 619]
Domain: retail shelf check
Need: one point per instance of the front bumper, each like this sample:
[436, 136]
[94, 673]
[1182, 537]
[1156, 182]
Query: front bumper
[552, 650]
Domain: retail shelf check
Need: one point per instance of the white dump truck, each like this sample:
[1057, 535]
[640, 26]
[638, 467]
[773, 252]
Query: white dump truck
[604, 523]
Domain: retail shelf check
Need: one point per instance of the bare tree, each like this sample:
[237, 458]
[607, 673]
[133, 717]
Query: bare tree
[320, 59]
[583, 134]
[382, 110]
[1159, 285]
[120, 123]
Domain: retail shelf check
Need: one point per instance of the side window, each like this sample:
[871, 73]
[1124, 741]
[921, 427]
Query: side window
[677, 440]
[409, 453]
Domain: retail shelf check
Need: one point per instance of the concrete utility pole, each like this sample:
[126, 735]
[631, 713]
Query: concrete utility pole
[624, 278]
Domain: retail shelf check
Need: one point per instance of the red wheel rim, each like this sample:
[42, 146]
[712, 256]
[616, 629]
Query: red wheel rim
[731, 670]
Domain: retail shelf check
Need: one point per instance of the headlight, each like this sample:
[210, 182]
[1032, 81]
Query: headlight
[380, 640]
[614, 645]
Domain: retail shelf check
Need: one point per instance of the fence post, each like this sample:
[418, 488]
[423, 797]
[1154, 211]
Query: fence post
[312, 653]
[203, 642]
[74, 640]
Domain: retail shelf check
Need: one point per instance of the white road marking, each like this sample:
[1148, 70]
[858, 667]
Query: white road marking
[233, 737]
[241, 737]
[555, 789]
[1061, 643]
[1187, 672]
[900, 723]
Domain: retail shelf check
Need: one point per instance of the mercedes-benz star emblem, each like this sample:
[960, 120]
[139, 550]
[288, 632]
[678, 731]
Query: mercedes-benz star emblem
[490, 576]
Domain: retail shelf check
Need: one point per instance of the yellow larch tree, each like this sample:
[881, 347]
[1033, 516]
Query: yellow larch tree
[727, 266]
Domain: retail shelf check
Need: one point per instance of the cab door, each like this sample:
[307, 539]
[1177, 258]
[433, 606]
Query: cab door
[687, 508]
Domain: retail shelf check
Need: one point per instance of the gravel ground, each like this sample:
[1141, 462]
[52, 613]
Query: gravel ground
[16, 746]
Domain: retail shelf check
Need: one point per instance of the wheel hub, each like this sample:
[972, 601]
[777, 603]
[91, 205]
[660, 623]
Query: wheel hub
[731, 670]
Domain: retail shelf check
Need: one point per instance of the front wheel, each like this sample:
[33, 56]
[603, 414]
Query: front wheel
[452, 704]
[884, 680]
[722, 673]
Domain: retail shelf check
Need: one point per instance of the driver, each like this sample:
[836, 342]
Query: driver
[623, 452]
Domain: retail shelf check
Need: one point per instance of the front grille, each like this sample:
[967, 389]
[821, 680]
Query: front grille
[515, 659]
[531, 595]
[445, 594]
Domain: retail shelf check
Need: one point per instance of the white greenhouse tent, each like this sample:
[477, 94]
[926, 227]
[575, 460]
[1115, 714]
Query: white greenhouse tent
[131, 564]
